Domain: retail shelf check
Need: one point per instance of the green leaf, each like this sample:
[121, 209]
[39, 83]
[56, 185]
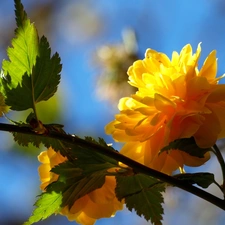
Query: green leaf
[46, 73]
[75, 182]
[46, 205]
[187, 145]
[142, 193]
[22, 55]
[84, 172]
[21, 15]
[30, 75]
[25, 139]
[75, 149]
[71, 151]
[93, 156]
[85, 169]
[22, 91]
[40, 85]
[36, 140]
[201, 179]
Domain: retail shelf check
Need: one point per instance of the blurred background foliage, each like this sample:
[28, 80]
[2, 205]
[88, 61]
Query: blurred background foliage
[97, 42]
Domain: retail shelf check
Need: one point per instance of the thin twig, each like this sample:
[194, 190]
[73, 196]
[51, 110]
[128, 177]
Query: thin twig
[222, 164]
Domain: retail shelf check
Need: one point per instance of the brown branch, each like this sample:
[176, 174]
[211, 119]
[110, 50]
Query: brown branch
[139, 168]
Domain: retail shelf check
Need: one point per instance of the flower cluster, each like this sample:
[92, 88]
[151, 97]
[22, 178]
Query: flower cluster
[86, 210]
[174, 100]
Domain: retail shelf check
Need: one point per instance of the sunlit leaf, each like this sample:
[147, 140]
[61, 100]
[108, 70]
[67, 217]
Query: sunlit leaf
[46, 205]
[31, 75]
[40, 85]
[22, 55]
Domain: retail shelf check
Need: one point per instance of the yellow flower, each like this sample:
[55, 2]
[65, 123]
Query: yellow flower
[174, 100]
[86, 210]
[3, 107]
[114, 61]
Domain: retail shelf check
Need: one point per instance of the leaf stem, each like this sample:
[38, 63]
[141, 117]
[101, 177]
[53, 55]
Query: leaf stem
[138, 168]
[219, 156]
[33, 99]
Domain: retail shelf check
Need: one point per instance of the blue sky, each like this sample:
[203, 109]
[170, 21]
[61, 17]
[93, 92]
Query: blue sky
[78, 28]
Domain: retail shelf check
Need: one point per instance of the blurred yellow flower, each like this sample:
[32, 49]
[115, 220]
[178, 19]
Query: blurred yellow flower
[86, 210]
[174, 100]
[114, 61]
[3, 107]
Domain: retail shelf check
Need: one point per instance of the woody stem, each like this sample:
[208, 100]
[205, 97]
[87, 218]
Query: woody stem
[138, 168]
[222, 164]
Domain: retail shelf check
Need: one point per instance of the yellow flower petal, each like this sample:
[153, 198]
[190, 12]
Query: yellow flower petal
[80, 218]
[162, 103]
[3, 107]
[208, 132]
[209, 68]
[107, 191]
[43, 157]
[79, 205]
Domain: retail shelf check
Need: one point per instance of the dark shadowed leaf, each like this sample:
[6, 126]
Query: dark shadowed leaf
[187, 145]
[143, 194]
[201, 179]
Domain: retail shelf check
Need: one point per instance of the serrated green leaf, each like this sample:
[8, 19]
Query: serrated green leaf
[74, 182]
[31, 75]
[143, 194]
[46, 73]
[46, 205]
[71, 151]
[67, 170]
[187, 145]
[21, 15]
[83, 173]
[25, 139]
[201, 179]
[36, 140]
[22, 55]
[22, 91]
[40, 85]
[101, 142]
[82, 187]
